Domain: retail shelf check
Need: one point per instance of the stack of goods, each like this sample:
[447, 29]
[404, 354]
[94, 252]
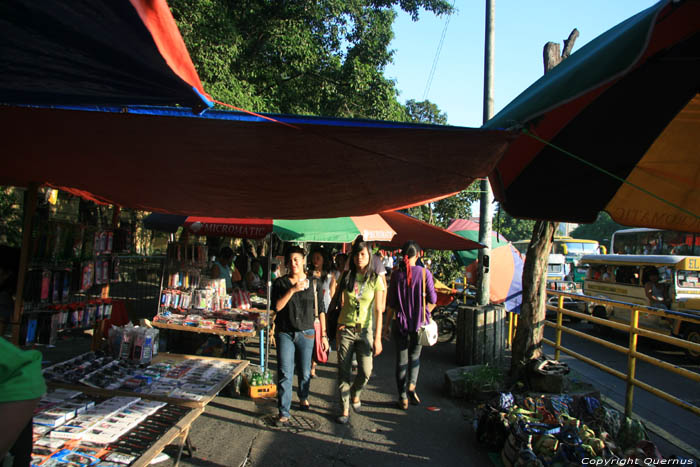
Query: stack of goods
[560, 429]
[42, 325]
[209, 307]
[73, 429]
[191, 379]
[134, 343]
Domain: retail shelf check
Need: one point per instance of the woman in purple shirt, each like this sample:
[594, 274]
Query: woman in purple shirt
[405, 308]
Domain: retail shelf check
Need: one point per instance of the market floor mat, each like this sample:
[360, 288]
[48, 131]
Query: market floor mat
[296, 423]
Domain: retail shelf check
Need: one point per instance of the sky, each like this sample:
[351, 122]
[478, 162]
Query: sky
[521, 29]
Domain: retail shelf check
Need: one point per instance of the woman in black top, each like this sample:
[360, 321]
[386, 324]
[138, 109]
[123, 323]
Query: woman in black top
[294, 303]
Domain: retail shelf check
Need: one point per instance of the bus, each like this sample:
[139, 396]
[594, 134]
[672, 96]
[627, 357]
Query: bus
[622, 278]
[654, 242]
[573, 249]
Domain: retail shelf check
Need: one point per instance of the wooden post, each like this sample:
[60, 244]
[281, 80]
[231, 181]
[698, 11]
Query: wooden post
[527, 344]
[30, 200]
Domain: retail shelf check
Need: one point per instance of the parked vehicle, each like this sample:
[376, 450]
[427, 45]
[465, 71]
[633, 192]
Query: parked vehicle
[624, 279]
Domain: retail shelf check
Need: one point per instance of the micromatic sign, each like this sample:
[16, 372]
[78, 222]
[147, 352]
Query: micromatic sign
[231, 230]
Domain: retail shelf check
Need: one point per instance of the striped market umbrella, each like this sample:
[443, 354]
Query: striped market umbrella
[331, 230]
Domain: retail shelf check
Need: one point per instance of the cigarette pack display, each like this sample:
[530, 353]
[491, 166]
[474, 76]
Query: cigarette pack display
[120, 458]
[67, 432]
[38, 460]
[50, 443]
[49, 420]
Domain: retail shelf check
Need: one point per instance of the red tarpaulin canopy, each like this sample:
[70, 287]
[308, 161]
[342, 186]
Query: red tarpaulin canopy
[230, 164]
[429, 237]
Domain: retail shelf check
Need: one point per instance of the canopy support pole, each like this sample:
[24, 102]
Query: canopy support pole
[269, 294]
[30, 201]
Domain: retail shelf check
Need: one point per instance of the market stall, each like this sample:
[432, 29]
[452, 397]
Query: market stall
[185, 306]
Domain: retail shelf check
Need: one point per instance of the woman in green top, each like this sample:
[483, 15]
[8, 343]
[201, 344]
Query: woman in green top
[359, 326]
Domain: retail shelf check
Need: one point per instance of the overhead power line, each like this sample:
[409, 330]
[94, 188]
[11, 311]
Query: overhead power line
[437, 56]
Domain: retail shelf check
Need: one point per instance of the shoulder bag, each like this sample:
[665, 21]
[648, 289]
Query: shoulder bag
[320, 355]
[334, 308]
[428, 333]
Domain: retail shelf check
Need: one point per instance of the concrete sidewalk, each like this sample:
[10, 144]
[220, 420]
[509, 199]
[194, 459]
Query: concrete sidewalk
[233, 432]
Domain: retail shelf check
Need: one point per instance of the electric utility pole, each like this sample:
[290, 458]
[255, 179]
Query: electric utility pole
[485, 214]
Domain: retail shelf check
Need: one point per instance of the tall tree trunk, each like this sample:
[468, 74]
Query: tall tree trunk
[527, 343]
[528, 336]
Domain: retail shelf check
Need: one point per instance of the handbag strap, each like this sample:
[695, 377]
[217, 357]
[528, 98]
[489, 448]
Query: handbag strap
[338, 292]
[425, 310]
[315, 300]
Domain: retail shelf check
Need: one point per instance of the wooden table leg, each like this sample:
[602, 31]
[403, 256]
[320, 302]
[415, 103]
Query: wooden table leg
[185, 436]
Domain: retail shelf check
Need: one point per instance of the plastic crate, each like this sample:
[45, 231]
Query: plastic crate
[266, 390]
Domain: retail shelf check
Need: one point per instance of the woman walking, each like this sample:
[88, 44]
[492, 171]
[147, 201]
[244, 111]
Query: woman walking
[319, 269]
[359, 326]
[405, 303]
[294, 303]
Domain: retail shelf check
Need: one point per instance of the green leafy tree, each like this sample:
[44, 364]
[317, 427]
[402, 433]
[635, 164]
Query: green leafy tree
[322, 57]
[10, 217]
[425, 112]
[510, 227]
[600, 230]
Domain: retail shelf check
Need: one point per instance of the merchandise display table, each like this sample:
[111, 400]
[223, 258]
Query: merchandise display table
[181, 430]
[72, 428]
[201, 401]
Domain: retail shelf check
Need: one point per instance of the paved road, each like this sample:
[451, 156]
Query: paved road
[680, 423]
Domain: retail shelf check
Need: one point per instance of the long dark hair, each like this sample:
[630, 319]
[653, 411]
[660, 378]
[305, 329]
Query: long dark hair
[357, 247]
[325, 268]
[409, 250]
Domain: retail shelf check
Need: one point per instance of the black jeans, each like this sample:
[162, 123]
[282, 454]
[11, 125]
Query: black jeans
[407, 360]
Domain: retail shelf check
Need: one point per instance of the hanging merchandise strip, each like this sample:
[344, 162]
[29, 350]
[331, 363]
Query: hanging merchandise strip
[610, 174]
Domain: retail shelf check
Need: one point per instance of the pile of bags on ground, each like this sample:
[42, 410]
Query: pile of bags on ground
[553, 430]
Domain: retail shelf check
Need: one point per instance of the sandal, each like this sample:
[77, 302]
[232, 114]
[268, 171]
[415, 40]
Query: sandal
[403, 404]
[343, 419]
[304, 407]
[415, 400]
[281, 422]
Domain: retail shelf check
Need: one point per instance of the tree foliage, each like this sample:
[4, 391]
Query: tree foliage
[600, 230]
[425, 112]
[322, 57]
[510, 227]
[10, 216]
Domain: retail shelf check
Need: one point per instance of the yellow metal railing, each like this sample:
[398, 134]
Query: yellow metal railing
[631, 350]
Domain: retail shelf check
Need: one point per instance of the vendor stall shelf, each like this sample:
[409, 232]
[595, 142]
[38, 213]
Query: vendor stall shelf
[161, 358]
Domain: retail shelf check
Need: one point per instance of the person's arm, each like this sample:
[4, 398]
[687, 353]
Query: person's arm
[388, 315]
[324, 334]
[15, 416]
[379, 302]
[333, 285]
[431, 298]
[649, 291]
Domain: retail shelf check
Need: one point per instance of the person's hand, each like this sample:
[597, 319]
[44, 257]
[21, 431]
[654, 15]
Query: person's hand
[300, 286]
[325, 346]
[377, 346]
[386, 333]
